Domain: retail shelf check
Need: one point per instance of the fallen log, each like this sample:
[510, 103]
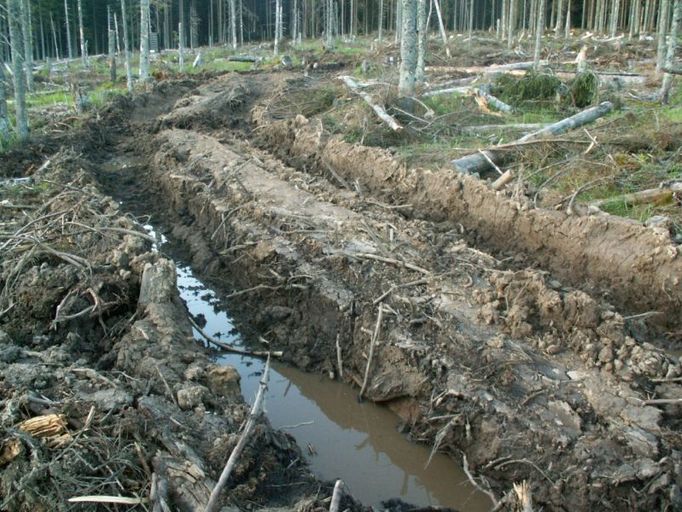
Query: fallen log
[378, 109]
[672, 71]
[243, 58]
[661, 195]
[481, 161]
[488, 128]
[236, 452]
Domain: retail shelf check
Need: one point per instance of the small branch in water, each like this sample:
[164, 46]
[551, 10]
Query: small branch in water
[336, 496]
[231, 348]
[236, 452]
[339, 359]
[465, 468]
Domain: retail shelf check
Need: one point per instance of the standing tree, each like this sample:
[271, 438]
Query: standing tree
[381, 20]
[670, 55]
[233, 22]
[441, 27]
[512, 23]
[14, 8]
[663, 16]
[4, 115]
[422, 42]
[615, 13]
[278, 21]
[126, 46]
[408, 48]
[27, 32]
[84, 54]
[68, 29]
[539, 30]
[111, 40]
[329, 25]
[144, 40]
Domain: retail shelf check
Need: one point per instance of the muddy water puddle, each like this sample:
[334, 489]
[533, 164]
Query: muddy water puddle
[340, 437]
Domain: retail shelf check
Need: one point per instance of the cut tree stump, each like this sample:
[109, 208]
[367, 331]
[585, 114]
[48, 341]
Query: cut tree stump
[480, 161]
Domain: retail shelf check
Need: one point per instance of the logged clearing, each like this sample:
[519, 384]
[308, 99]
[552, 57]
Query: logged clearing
[521, 328]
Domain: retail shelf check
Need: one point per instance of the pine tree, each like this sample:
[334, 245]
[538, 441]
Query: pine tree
[15, 34]
[144, 40]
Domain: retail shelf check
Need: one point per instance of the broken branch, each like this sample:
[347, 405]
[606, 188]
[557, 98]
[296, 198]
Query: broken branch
[378, 109]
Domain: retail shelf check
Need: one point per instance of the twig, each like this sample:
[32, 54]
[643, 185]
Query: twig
[465, 468]
[662, 401]
[336, 496]
[249, 290]
[396, 287]
[119, 500]
[375, 336]
[493, 164]
[390, 261]
[236, 452]
[231, 348]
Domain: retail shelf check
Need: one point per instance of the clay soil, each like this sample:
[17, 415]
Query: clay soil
[506, 336]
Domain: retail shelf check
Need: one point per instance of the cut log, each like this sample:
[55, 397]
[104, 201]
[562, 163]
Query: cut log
[378, 109]
[480, 161]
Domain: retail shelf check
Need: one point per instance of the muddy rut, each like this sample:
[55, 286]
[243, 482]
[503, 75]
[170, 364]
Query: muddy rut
[412, 286]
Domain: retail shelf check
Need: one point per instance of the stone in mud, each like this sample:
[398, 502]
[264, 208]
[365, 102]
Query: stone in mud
[158, 283]
[224, 381]
[191, 397]
[109, 399]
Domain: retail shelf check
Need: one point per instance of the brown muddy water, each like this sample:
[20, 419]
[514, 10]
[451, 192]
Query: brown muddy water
[339, 436]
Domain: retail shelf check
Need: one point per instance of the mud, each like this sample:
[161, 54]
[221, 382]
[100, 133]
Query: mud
[318, 247]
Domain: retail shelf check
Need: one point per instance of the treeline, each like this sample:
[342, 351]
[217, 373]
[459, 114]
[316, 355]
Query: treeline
[56, 31]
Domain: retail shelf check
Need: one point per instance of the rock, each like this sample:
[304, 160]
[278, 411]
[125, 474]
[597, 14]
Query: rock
[641, 442]
[224, 381]
[191, 397]
[659, 221]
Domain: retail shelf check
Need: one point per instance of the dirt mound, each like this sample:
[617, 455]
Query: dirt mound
[618, 258]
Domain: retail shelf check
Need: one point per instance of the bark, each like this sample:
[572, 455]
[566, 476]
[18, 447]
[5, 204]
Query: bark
[68, 29]
[539, 29]
[144, 40]
[408, 48]
[126, 46]
[421, 42]
[670, 56]
[21, 126]
[481, 161]
[378, 109]
[84, 55]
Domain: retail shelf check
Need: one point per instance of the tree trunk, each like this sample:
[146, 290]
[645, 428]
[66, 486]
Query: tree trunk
[663, 16]
[408, 48]
[233, 20]
[181, 48]
[441, 27]
[18, 69]
[567, 28]
[670, 56]
[126, 46]
[615, 14]
[422, 42]
[329, 25]
[471, 21]
[381, 20]
[539, 30]
[511, 29]
[84, 55]
[277, 22]
[144, 40]
[68, 29]
[398, 20]
[54, 37]
[559, 27]
[111, 40]
[27, 32]
[4, 115]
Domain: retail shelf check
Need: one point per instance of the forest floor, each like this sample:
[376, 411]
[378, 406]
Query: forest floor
[529, 342]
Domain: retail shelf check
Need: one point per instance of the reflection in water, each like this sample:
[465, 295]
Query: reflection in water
[357, 442]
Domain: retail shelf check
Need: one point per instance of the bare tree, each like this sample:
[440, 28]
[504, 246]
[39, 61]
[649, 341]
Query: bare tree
[670, 55]
[278, 20]
[381, 20]
[408, 48]
[18, 68]
[144, 40]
